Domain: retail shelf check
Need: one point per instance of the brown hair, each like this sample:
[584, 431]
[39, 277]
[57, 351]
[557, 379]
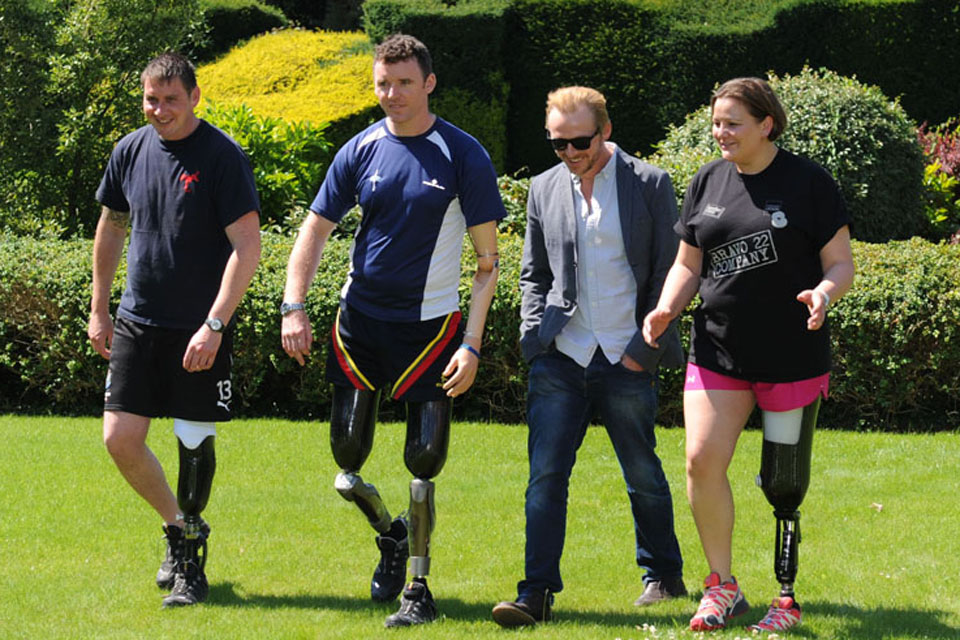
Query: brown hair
[167, 66]
[569, 99]
[400, 47]
[759, 99]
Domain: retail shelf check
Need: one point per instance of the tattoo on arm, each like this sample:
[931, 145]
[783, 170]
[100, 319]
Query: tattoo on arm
[117, 218]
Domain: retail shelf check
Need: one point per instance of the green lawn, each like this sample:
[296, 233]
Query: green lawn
[290, 559]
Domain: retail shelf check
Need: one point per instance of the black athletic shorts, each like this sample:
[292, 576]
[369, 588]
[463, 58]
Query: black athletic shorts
[366, 353]
[147, 378]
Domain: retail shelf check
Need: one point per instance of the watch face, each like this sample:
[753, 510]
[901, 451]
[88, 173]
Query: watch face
[215, 324]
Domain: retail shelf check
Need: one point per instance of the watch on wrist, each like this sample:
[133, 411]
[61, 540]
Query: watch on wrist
[215, 324]
[287, 307]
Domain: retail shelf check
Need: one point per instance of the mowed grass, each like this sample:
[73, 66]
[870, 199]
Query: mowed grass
[289, 558]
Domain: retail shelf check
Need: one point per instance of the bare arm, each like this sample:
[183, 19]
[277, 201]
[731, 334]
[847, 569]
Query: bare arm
[296, 334]
[836, 260]
[244, 236]
[462, 368]
[107, 249]
[682, 283]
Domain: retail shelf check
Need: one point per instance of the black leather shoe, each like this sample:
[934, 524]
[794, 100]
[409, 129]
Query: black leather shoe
[659, 590]
[528, 609]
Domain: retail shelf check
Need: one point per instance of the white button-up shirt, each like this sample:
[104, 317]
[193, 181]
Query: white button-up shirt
[606, 288]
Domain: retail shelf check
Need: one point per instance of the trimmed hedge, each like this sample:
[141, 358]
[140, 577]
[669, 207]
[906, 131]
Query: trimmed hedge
[657, 60]
[468, 42]
[866, 141]
[896, 337]
[295, 74]
[231, 21]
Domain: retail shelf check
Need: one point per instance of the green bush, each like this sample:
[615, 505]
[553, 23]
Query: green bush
[896, 337]
[864, 140]
[655, 60]
[71, 84]
[232, 21]
[296, 75]
[485, 118]
[288, 159]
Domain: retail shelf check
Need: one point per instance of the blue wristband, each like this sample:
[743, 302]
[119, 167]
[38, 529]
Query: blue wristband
[470, 349]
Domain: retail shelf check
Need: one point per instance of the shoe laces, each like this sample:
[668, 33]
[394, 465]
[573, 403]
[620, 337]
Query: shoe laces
[779, 618]
[718, 599]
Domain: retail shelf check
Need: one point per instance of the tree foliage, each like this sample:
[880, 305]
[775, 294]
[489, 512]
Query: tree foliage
[70, 86]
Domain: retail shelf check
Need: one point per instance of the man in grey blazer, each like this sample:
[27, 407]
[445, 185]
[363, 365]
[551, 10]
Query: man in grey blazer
[598, 246]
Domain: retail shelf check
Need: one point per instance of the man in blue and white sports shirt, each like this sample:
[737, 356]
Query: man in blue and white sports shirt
[421, 182]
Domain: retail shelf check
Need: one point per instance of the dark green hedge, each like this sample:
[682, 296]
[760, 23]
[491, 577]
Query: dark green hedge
[467, 42]
[231, 21]
[866, 142]
[896, 338]
[657, 60]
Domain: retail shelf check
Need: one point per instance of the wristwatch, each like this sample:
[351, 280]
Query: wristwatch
[215, 324]
[287, 307]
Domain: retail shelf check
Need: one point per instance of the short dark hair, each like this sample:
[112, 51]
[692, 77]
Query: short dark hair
[170, 65]
[400, 47]
[759, 99]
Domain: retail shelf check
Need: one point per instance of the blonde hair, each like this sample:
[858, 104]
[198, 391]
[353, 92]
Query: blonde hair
[569, 99]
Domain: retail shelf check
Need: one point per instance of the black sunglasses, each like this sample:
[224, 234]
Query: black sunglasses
[580, 144]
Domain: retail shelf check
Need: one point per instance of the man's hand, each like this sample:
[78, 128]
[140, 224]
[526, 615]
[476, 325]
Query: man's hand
[630, 363]
[460, 372]
[202, 349]
[100, 332]
[296, 335]
[654, 325]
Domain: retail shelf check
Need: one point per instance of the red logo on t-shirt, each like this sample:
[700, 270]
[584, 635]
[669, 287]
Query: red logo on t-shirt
[188, 179]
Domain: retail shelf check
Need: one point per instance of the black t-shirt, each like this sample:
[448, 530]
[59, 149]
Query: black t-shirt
[181, 195]
[761, 237]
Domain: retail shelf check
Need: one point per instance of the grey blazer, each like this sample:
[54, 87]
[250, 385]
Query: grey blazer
[548, 276]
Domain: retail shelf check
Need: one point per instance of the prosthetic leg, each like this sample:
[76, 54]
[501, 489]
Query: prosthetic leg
[784, 477]
[425, 452]
[198, 463]
[351, 439]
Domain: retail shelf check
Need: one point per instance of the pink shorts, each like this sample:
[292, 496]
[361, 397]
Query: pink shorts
[771, 396]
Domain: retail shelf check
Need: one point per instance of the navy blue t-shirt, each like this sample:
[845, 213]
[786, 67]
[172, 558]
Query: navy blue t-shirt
[181, 195]
[418, 195]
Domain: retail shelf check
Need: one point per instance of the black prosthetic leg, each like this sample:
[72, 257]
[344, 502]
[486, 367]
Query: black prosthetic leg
[784, 477]
[197, 468]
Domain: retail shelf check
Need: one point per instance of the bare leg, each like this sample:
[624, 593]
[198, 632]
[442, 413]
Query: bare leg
[125, 435]
[714, 420]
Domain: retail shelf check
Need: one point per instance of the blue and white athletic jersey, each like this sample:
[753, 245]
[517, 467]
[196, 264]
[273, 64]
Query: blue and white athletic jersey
[418, 195]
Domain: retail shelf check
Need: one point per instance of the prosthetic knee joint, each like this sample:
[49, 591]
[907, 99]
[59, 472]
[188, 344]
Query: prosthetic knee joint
[352, 426]
[784, 477]
[198, 463]
[425, 452]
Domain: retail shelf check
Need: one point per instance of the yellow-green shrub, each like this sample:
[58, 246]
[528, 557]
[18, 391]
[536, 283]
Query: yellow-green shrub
[296, 75]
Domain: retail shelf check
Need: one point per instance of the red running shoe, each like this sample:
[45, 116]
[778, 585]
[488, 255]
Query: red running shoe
[721, 601]
[784, 613]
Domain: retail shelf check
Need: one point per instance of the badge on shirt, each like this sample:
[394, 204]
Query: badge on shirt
[778, 219]
[713, 210]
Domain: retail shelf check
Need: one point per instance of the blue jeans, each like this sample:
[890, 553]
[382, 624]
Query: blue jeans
[562, 399]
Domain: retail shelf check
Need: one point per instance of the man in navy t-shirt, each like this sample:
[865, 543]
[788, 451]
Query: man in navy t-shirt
[187, 193]
[421, 183]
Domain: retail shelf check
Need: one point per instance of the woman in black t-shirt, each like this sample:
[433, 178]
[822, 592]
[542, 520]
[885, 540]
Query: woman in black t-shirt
[765, 240]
